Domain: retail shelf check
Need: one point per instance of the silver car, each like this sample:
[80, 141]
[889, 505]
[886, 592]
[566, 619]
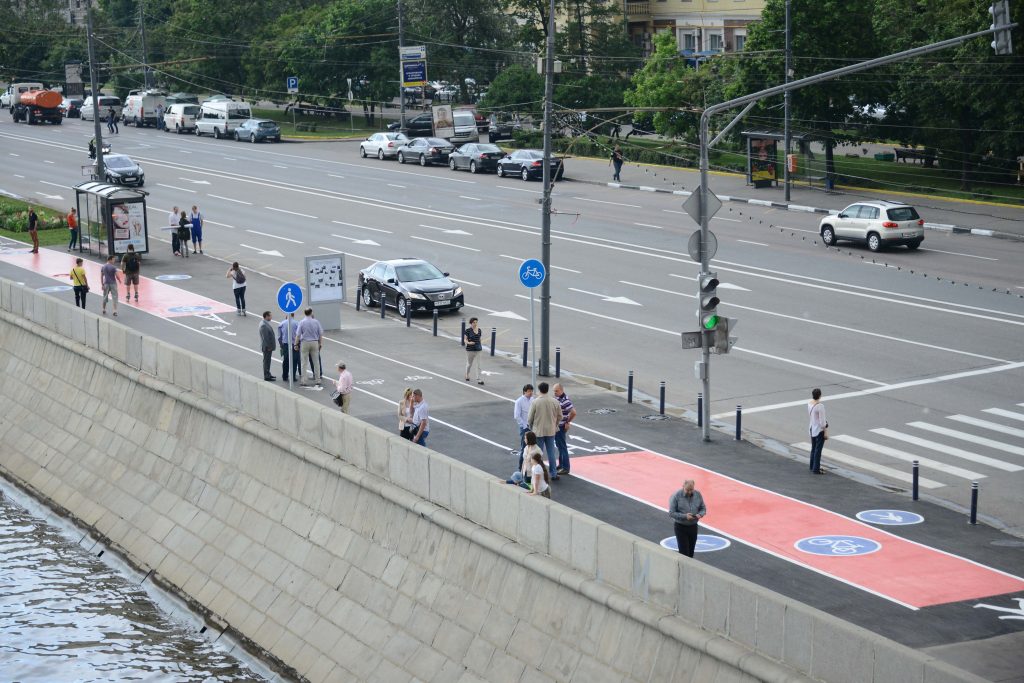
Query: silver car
[878, 224]
[382, 145]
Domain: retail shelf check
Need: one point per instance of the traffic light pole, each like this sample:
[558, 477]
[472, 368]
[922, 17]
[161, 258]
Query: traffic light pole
[99, 169]
[705, 120]
[545, 204]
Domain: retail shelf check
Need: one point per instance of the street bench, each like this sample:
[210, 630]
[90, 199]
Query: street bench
[926, 156]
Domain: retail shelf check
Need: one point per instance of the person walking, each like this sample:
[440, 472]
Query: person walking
[818, 429]
[405, 410]
[237, 278]
[184, 233]
[112, 121]
[109, 278]
[686, 507]
[290, 358]
[473, 349]
[568, 415]
[521, 414]
[172, 225]
[159, 116]
[131, 265]
[617, 163]
[343, 387]
[197, 229]
[544, 416]
[73, 228]
[540, 478]
[420, 418]
[309, 342]
[268, 344]
[80, 283]
[33, 228]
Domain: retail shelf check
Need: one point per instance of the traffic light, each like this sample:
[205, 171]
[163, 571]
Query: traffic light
[1000, 11]
[708, 301]
[723, 342]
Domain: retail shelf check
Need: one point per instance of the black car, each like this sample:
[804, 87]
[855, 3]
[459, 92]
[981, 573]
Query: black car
[122, 170]
[426, 151]
[72, 108]
[476, 156]
[502, 130]
[527, 164]
[421, 126]
[409, 284]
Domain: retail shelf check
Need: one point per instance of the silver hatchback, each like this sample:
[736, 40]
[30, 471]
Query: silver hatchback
[878, 224]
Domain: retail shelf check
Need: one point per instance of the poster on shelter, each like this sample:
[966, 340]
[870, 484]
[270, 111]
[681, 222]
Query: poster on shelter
[128, 222]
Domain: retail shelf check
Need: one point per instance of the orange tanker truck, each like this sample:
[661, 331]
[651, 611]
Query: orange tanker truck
[36, 106]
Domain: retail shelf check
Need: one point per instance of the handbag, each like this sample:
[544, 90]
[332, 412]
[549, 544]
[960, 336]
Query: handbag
[824, 433]
[336, 397]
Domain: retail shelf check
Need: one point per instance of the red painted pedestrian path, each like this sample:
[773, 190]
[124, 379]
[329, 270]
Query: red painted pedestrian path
[155, 297]
[903, 571]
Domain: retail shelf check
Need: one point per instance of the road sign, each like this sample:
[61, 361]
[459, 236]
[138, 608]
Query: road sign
[692, 205]
[706, 543]
[837, 545]
[531, 273]
[693, 246]
[289, 297]
[692, 340]
[293, 84]
[889, 517]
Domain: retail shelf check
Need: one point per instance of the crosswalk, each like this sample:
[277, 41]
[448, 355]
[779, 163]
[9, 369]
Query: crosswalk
[957, 447]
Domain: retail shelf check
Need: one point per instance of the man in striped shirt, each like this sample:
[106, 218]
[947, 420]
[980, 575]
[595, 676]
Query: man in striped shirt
[568, 415]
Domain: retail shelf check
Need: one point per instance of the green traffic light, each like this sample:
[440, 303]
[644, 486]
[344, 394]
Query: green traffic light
[711, 322]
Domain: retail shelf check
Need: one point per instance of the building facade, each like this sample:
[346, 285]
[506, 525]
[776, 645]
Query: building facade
[701, 27]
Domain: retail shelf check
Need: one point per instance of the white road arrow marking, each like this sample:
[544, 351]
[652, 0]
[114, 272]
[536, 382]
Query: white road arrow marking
[214, 317]
[721, 285]
[507, 314]
[446, 230]
[489, 372]
[263, 252]
[612, 299]
[1016, 613]
[353, 240]
[195, 182]
[578, 438]
[50, 196]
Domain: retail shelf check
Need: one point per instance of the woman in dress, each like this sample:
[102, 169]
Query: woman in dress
[184, 233]
[405, 408]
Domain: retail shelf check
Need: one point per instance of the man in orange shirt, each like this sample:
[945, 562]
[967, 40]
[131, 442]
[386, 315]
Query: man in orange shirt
[73, 227]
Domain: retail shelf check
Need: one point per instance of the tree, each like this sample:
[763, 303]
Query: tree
[516, 89]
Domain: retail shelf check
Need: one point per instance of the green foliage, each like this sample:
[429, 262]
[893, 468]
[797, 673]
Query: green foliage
[14, 216]
[517, 88]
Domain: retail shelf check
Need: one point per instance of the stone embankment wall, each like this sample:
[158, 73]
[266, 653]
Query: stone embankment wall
[342, 552]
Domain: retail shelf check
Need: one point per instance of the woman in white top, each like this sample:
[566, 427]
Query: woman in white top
[531, 447]
[237, 285]
[817, 429]
[541, 482]
[405, 408]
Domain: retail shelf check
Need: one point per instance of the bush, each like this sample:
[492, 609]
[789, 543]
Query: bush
[14, 216]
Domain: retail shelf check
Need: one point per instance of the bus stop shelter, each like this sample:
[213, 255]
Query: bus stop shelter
[111, 217]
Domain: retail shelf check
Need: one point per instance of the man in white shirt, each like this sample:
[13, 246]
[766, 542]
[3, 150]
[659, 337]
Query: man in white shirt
[420, 418]
[521, 413]
[344, 387]
[817, 429]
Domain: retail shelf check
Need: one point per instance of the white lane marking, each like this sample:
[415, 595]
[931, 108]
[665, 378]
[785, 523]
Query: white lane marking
[179, 189]
[518, 189]
[332, 175]
[970, 438]
[355, 240]
[952, 470]
[446, 230]
[13, 154]
[608, 297]
[276, 237]
[231, 158]
[466, 282]
[18, 176]
[475, 199]
[279, 166]
[758, 244]
[400, 187]
[957, 253]
[63, 187]
[948, 450]
[681, 213]
[349, 253]
[263, 252]
[648, 225]
[807, 365]
[447, 244]
[985, 424]
[362, 227]
[599, 201]
[1004, 413]
[784, 227]
[722, 218]
[229, 199]
[183, 151]
[47, 161]
[520, 259]
[835, 456]
[293, 213]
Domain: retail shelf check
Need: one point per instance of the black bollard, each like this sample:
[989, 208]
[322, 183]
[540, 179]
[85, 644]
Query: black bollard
[974, 502]
[739, 422]
[700, 408]
[359, 298]
[408, 316]
[661, 399]
[558, 361]
[462, 337]
[494, 339]
[382, 306]
[629, 388]
[526, 349]
[913, 478]
[435, 322]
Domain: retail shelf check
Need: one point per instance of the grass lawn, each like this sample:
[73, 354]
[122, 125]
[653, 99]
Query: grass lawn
[325, 127]
[14, 222]
[47, 238]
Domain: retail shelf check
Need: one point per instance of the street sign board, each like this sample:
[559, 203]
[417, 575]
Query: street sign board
[293, 84]
[693, 245]
[692, 340]
[289, 297]
[531, 273]
[414, 73]
[692, 205]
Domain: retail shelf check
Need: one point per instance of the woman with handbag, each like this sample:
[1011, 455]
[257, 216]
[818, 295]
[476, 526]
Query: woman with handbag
[80, 282]
[818, 429]
[405, 407]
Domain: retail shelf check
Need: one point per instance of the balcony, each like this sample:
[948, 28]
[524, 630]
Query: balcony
[638, 10]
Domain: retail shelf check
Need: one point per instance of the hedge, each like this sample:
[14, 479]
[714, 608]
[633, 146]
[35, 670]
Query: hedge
[14, 216]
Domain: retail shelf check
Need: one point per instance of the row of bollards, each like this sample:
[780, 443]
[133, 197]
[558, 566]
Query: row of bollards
[915, 475]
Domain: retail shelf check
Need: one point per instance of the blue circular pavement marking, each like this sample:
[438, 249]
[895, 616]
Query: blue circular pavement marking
[837, 545]
[174, 276]
[189, 309]
[54, 288]
[889, 517]
[706, 543]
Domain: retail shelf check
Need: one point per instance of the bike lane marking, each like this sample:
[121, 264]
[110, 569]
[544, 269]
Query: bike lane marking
[899, 570]
[155, 297]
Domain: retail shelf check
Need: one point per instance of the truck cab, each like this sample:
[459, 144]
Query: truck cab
[11, 96]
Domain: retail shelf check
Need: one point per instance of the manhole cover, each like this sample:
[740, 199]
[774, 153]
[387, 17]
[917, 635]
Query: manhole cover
[654, 417]
[602, 411]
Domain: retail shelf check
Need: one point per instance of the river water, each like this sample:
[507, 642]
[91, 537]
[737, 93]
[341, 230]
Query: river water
[65, 615]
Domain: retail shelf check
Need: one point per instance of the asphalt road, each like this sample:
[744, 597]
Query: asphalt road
[894, 340]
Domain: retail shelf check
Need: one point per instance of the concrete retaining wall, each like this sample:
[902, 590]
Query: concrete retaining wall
[343, 552]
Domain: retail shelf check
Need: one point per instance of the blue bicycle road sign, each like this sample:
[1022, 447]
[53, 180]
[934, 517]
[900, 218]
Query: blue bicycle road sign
[706, 543]
[531, 273]
[837, 545]
[289, 297]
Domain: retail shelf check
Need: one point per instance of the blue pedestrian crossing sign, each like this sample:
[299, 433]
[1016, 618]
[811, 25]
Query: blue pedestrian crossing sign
[531, 273]
[889, 517]
[289, 297]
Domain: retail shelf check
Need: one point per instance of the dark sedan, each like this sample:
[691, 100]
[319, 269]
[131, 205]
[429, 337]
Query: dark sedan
[122, 170]
[426, 151]
[528, 164]
[476, 157]
[409, 284]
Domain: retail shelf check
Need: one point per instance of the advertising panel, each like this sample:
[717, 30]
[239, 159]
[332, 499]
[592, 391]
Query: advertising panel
[325, 278]
[444, 122]
[128, 223]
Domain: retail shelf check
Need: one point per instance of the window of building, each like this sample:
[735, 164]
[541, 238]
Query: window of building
[739, 40]
[715, 42]
[688, 40]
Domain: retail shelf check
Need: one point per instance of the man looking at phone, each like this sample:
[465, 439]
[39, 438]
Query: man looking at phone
[686, 507]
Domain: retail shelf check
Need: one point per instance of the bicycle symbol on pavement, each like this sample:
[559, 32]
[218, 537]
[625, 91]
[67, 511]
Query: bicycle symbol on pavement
[837, 546]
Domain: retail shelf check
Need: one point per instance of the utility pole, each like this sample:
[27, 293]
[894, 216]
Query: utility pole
[401, 76]
[545, 204]
[789, 74]
[99, 170]
[145, 54]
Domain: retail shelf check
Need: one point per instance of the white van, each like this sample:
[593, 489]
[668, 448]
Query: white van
[465, 127]
[219, 118]
[181, 118]
[106, 103]
[140, 108]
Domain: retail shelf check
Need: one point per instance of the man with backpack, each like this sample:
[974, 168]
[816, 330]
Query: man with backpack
[131, 265]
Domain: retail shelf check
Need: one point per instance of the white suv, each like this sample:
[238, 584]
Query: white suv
[878, 224]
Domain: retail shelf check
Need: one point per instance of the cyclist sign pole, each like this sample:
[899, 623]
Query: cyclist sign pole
[531, 274]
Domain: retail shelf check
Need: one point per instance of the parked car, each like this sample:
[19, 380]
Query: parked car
[527, 164]
[106, 102]
[878, 224]
[409, 284]
[382, 145]
[255, 130]
[502, 130]
[181, 117]
[421, 126]
[426, 151]
[475, 157]
[122, 170]
[72, 107]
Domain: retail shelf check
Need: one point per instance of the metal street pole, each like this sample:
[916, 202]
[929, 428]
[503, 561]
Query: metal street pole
[99, 170]
[705, 119]
[789, 73]
[545, 204]
[145, 54]
[401, 75]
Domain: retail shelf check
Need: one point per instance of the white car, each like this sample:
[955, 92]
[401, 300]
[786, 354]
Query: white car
[382, 145]
[878, 224]
[106, 103]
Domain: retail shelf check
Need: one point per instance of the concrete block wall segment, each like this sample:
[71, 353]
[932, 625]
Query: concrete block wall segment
[266, 403]
[165, 361]
[584, 543]
[533, 519]
[439, 477]
[851, 663]
[503, 508]
[132, 349]
[656, 574]
[308, 421]
[615, 557]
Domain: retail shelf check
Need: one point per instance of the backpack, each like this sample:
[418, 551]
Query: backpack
[131, 263]
[239, 276]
